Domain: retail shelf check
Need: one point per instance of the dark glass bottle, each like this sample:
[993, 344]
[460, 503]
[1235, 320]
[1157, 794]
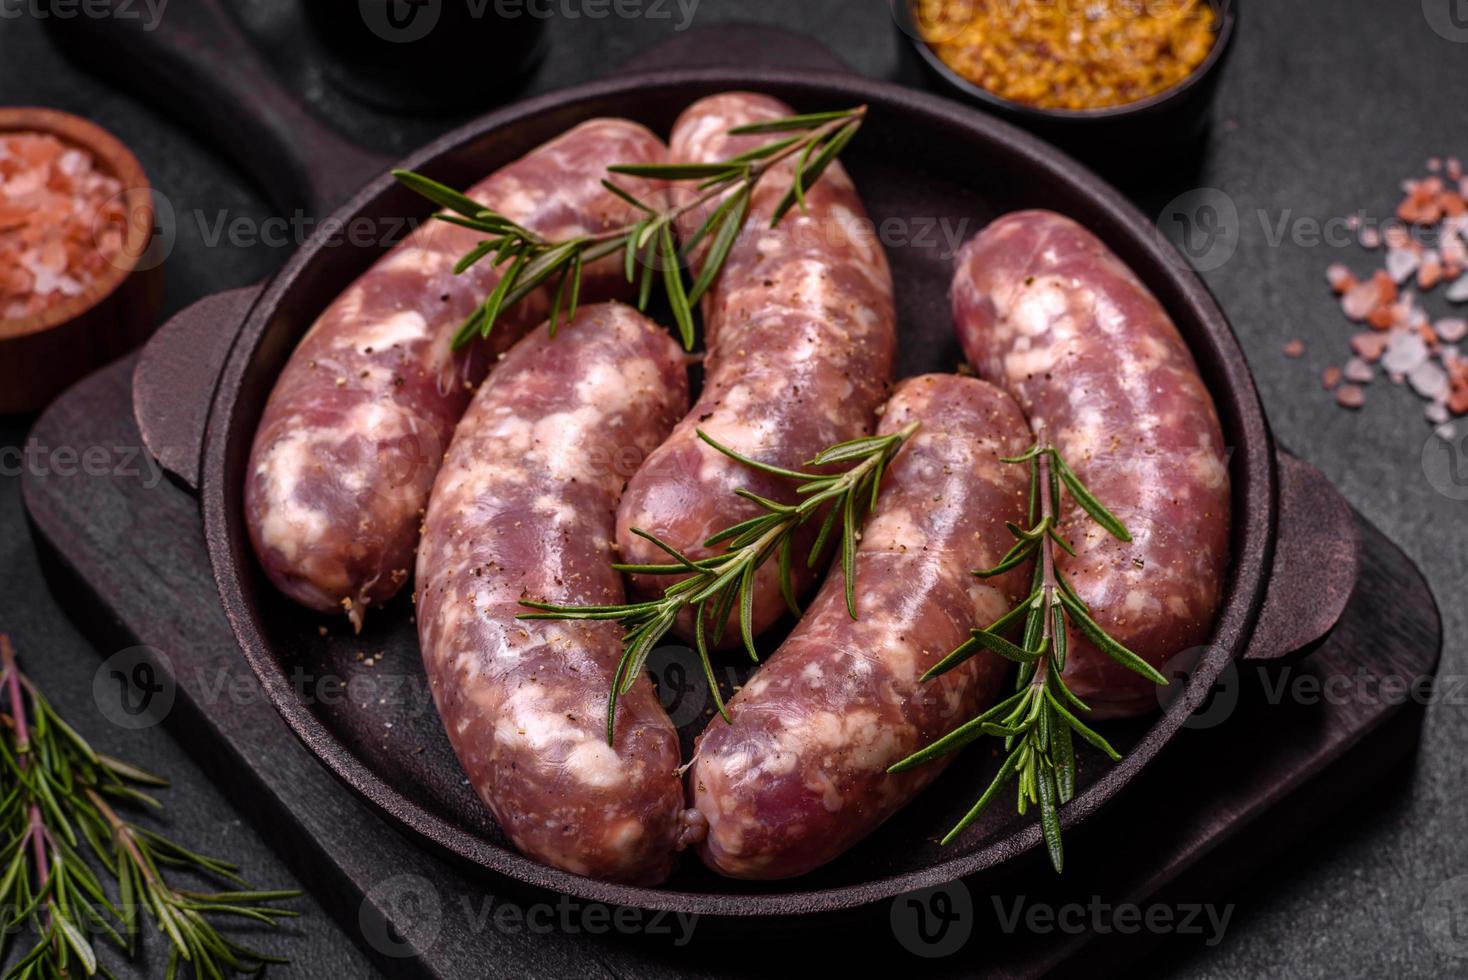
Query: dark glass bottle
[431, 54]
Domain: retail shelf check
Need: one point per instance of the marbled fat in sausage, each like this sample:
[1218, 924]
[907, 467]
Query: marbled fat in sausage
[801, 773]
[1046, 310]
[356, 427]
[523, 509]
[801, 335]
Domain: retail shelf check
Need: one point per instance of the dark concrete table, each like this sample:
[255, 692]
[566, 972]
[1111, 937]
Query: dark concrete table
[1323, 109]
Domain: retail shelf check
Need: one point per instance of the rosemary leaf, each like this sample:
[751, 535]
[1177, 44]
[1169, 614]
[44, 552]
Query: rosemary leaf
[673, 283]
[810, 120]
[440, 194]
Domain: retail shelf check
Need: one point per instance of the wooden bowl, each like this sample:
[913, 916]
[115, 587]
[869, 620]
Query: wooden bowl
[43, 353]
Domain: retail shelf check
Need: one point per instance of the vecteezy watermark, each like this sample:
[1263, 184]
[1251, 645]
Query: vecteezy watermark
[138, 687]
[1445, 917]
[134, 688]
[1445, 464]
[934, 922]
[150, 12]
[1101, 918]
[1449, 18]
[939, 921]
[96, 460]
[406, 21]
[682, 687]
[1203, 224]
[1221, 699]
[406, 914]
[160, 226]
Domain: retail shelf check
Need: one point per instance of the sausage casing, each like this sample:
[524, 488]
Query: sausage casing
[523, 509]
[355, 429]
[800, 329]
[801, 773]
[1046, 310]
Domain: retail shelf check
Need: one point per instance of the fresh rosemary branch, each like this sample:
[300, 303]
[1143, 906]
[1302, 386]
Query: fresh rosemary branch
[1039, 720]
[60, 803]
[713, 585]
[530, 260]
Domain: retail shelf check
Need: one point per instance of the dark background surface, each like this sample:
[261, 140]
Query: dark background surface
[1324, 108]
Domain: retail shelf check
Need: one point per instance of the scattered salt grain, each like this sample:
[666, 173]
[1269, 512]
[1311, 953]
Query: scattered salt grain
[1339, 277]
[1429, 380]
[1404, 352]
[1358, 371]
[1446, 432]
[1401, 263]
[1426, 247]
[1294, 348]
[1360, 300]
[1369, 346]
[1451, 329]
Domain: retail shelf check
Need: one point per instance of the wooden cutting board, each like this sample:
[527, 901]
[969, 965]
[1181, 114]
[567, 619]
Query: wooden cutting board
[125, 552]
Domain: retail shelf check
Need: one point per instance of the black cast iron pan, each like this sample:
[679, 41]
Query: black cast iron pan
[921, 162]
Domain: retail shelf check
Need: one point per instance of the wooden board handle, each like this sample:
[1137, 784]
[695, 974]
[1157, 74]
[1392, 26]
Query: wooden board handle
[1317, 559]
[177, 374]
[195, 63]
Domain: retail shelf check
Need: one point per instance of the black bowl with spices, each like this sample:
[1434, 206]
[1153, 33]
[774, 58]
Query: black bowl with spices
[1145, 102]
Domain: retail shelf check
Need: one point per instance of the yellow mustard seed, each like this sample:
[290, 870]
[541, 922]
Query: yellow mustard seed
[1069, 54]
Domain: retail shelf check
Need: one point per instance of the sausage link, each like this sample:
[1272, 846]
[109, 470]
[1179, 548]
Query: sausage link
[523, 508]
[801, 335]
[355, 429]
[801, 773]
[1046, 310]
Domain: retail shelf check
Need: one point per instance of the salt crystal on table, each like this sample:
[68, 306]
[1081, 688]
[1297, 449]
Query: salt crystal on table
[1446, 432]
[1451, 329]
[1358, 371]
[1360, 300]
[1370, 237]
[1369, 345]
[1437, 412]
[1429, 380]
[1350, 396]
[1339, 277]
[1404, 351]
[1330, 377]
[1401, 263]
[1294, 348]
[1458, 291]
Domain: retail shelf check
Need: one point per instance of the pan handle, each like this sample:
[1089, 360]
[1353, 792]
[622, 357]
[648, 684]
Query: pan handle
[192, 60]
[1317, 559]
[175, 378]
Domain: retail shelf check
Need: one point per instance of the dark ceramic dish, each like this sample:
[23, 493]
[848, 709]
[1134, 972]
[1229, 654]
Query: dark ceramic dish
[1115, 136]
[379, 732]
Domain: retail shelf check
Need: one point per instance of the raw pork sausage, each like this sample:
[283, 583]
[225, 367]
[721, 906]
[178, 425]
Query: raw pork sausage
[523, 508]
[356, 427]
[801, 335]
[801, 773]
[1046, 310]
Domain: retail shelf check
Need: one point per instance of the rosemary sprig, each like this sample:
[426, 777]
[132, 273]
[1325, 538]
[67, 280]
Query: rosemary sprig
[714, 585]
[60, 805]
[1038, 722]
[530, 260]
